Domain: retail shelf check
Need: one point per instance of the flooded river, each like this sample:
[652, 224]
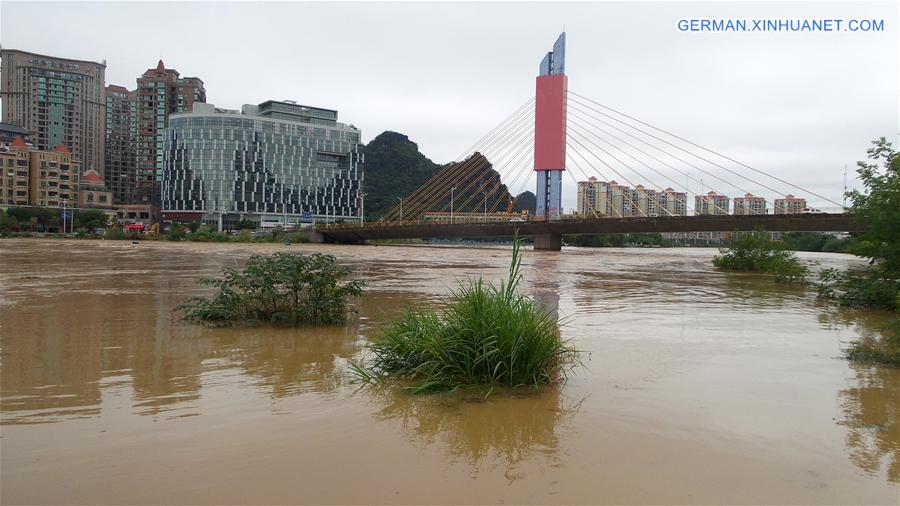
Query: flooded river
[698, 387]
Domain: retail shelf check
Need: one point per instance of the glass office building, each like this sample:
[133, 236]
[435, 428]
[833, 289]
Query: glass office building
[276, 163]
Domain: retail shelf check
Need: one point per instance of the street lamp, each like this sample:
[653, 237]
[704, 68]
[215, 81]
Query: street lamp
[362, 207]
[64, 201]
[401, 208]
[451, 204]
[485, 206]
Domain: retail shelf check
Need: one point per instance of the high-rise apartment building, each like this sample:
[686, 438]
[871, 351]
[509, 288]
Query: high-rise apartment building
[749, 204]
[790, 205]
[121, 143]
[612, 200]
[672, 203]
[58, 100]
[589, 201]
[160, 92]
[645, 202]
[711, 203]
[272, 163]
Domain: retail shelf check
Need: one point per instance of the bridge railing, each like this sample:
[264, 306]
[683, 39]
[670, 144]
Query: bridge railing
[564, 219]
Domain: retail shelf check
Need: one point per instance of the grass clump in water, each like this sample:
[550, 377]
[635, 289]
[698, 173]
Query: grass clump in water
[283, 288]
[486, 335]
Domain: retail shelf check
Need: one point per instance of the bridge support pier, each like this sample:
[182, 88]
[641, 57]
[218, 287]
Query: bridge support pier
[548, 242]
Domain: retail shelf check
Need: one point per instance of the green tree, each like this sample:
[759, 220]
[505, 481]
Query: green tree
[879, 286]
[245, 225]
[8, 223]
[879, 208]
[91, 219]
[756, 251]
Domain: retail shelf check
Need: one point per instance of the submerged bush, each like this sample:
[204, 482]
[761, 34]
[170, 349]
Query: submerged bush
[115, 234]
[486, 335]
[860, 288]
[755, 251]
[284, 288]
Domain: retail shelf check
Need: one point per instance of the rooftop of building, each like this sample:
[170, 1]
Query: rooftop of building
[91, 177]
[253, 111]
[294, 104]
[13, 129]
[116, 88]
[18, 142]
[89, 62]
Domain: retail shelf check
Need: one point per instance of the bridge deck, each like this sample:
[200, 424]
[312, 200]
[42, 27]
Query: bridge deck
[724, 223]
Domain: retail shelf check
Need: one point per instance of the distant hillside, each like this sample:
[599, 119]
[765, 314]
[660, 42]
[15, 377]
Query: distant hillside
[395, 168]
[526, 201]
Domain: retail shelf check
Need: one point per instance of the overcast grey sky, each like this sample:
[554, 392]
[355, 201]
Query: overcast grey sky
[797, 105]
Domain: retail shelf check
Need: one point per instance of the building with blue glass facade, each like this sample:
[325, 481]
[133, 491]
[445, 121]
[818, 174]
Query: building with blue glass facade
[276, 163]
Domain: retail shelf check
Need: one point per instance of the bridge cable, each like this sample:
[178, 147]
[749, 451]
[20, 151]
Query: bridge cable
[439, 187]
[711, 151]
[633, 204]
[631, 168]
[529, 167]
[639, 150]
[474, 147]
[505, 150]
[668, 154]
[427, 189]
[523, 139]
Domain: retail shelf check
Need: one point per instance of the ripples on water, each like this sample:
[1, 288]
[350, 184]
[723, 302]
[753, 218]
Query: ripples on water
[720, 371]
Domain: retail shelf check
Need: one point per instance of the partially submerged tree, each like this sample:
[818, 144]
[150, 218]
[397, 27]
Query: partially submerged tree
[284, 288]
[755, 251]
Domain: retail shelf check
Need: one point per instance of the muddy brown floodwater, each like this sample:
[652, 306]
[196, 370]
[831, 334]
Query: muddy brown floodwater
[698, 387]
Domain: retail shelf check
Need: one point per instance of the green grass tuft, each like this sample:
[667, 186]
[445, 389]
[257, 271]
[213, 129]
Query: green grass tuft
[486, 335]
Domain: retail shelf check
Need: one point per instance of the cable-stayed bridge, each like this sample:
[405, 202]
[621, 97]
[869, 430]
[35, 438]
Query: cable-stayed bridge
[631, 177]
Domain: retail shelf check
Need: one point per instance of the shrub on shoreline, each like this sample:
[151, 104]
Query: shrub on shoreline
[879, 285]
[486, 335]
[282, 288]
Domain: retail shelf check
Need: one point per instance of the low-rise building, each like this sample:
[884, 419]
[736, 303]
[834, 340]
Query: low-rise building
[15, 160]
[92, 193]
[33, 177]
[10, 132]
[54, 178]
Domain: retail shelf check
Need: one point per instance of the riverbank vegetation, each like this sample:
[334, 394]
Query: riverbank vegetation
[486, 335]
[756, 252]
[283, 288]
[817, 242]
[30, 220]
[877, 286]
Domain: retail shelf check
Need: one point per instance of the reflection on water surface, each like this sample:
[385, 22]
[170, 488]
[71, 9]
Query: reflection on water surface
[700, 387]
